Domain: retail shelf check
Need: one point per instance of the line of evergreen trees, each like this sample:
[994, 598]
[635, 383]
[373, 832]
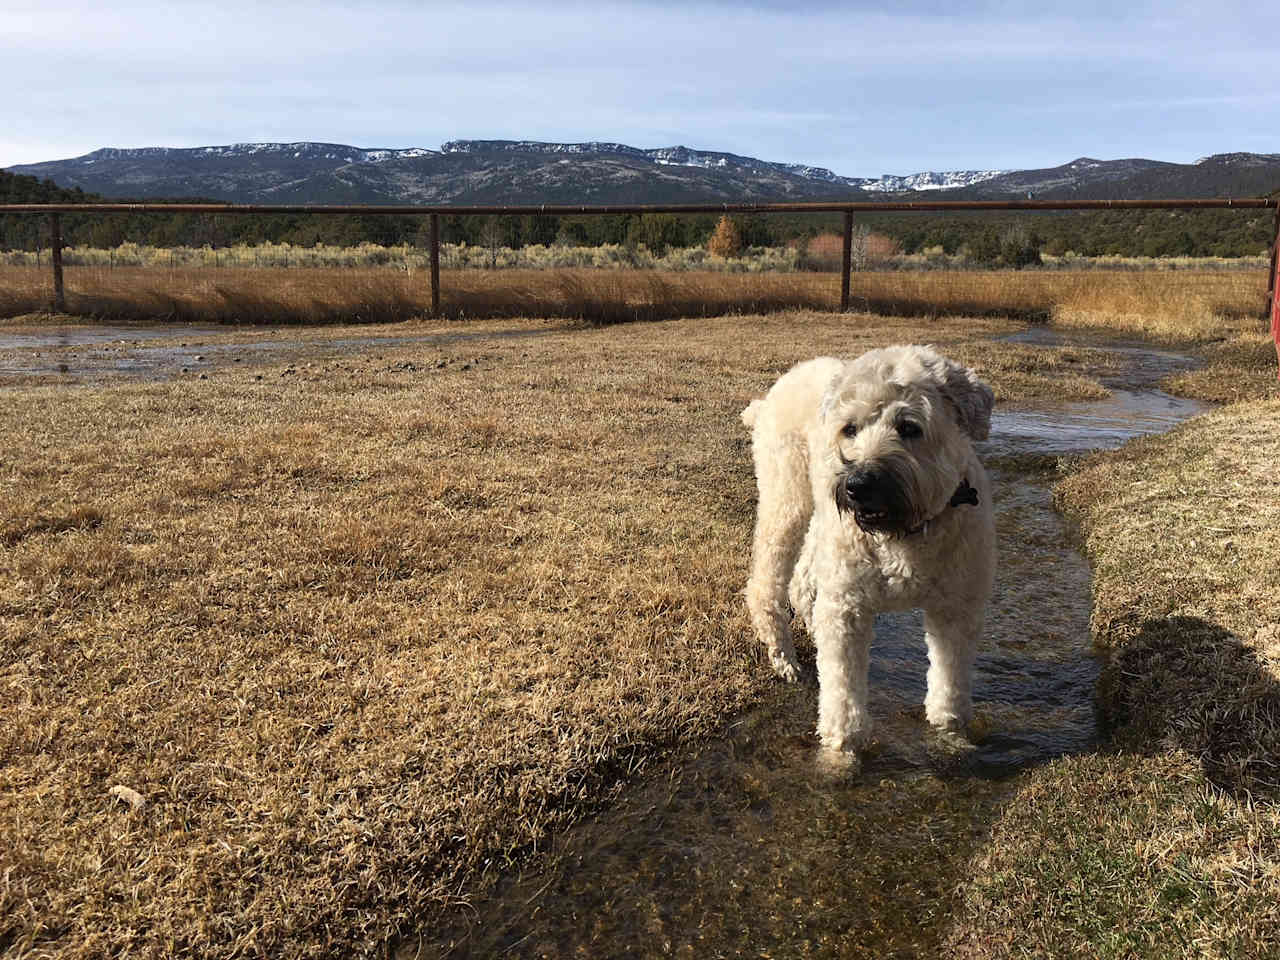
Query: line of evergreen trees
[1221, 233]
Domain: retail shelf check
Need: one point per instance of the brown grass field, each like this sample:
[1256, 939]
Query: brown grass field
[359, 629]
[1190, 300]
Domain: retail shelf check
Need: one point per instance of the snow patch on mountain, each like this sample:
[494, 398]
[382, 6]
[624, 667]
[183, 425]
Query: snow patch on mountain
[681, 156]
[299, 150]
[950, 180]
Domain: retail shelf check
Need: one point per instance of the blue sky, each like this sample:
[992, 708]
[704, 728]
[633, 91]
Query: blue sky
[862, 89]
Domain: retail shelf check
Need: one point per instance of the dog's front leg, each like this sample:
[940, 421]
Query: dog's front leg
[842, 635]
[952, 638]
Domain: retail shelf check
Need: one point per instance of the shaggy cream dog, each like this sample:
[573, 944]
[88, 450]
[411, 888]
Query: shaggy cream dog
[872, 498]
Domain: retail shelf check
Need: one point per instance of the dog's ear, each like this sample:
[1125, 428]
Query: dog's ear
[830, 396]
[969, 397]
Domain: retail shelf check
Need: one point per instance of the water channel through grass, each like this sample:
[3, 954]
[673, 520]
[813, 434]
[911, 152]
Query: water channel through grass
[756, 844]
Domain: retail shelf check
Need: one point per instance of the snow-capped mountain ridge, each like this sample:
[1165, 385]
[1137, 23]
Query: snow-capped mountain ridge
[598, 172]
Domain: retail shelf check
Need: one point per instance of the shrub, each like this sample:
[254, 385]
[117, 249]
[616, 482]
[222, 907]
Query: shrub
[726, 241]
[1019, 248]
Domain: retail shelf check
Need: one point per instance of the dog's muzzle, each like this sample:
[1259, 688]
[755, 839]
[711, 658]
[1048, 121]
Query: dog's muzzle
[875, 498]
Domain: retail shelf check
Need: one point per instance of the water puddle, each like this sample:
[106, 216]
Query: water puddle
[1134, 409]
[1144, 365]
[756, 843]
[97, 352]
[1091, 425]
[79, 336]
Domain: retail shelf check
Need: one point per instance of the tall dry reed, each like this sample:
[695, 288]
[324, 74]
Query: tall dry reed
[1184, 303]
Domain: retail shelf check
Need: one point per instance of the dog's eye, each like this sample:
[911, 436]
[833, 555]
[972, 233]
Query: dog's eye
[850, 430]
[908, 429]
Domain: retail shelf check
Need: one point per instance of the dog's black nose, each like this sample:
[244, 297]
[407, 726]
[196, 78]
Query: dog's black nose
[865, 490]
[859, 487]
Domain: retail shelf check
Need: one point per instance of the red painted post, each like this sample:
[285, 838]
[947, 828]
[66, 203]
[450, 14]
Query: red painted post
[55, 249]
[846, 261]
[435, 264]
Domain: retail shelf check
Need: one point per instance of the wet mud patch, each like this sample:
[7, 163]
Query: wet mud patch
[91, 354]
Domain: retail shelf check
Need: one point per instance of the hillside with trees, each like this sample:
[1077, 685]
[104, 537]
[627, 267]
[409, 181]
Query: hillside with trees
[1154, 233]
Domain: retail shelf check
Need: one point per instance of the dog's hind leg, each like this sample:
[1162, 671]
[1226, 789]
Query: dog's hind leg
[782, 517]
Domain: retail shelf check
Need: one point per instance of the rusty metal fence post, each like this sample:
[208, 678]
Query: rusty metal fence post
[435, 264]
[1273, 291]
[55, 250]
[1275, 263]
[846, 262]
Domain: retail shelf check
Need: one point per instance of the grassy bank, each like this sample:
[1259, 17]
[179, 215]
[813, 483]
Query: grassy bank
[1167, 844]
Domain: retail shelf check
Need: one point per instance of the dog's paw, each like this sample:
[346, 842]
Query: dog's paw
[948, 718]
[844, 738]
[784, 665]
[839, 766]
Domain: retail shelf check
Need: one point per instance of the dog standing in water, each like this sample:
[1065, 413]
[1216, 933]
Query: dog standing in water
[872, 498]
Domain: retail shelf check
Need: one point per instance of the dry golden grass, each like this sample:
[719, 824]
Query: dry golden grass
[373, 295]
[359, 634]
[362, 634]
[1171, 305]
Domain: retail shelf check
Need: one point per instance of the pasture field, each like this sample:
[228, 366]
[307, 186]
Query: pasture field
[361, 628]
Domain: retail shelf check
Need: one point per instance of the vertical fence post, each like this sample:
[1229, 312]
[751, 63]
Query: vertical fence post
[846, 263]
[55, 250]
[435, 264]
[1275, 262]
[1273, 291]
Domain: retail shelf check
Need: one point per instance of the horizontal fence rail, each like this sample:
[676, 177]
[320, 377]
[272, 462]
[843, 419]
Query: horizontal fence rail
[848, 208]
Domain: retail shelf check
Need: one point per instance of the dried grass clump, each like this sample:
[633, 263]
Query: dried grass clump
[1177, 306]
[316, 296]
[1182, 531]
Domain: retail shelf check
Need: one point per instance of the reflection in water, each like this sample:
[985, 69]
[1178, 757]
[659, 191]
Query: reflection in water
[1093, 425]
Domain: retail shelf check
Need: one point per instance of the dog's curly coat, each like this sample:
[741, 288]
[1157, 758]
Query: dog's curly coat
[867, 482]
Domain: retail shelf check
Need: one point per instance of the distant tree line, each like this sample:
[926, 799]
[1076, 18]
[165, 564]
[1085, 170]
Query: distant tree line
[986, 238]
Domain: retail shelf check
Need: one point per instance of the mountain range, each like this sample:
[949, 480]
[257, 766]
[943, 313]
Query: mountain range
[521, 171]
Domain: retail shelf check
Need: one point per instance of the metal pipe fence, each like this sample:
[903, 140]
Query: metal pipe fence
[847, 208]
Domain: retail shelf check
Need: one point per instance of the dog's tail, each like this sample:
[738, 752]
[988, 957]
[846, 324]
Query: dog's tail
[749, 415]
